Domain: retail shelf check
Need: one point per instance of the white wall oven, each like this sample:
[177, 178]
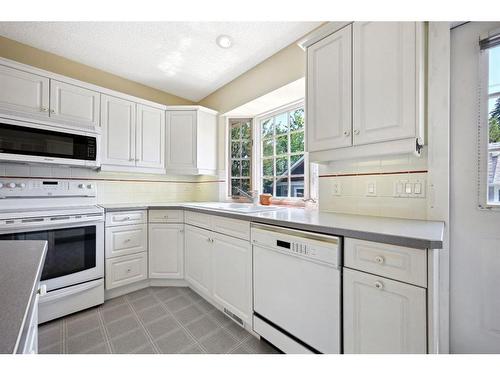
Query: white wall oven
[28, 142]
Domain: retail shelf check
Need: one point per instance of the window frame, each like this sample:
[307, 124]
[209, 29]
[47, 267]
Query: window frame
[228, 153]
[483, 127]
[258, 148]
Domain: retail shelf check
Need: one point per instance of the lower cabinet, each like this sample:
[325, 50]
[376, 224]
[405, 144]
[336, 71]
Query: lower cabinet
[232, 274]
[197, 256]
[220, 267]
[383, 315]
[166, 251]
[126, 269]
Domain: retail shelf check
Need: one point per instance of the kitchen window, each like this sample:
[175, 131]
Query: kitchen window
[240, 156]
[282, 160]
[489, 131]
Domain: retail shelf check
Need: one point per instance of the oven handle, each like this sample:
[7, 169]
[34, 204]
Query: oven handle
[60, 293]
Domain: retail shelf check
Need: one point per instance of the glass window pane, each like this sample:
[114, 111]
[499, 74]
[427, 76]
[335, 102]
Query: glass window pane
[494, 70]
[235, 132]
[297, 187]
[246, 149]
[296, 164]
[282, 145]
[297, 119]
[235, 168]
[281, 124]
[245, 168]
[235, 150]
[235, 183]
[281, 166]
[282, 187]
[297, 142]
[268, 167]
[267, 185]
[246, 132]
[267, 147]
[267, 128]
[245, 184]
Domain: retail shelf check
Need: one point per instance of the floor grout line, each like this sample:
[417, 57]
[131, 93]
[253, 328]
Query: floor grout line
[107, 339]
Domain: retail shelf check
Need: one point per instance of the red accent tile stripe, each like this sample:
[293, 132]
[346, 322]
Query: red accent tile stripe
[370, 173]
[114, 179]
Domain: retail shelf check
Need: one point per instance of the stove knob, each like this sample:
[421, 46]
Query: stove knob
[11, 185]
[1, 185]
[22, 185]
[81, 186]
[90, 186]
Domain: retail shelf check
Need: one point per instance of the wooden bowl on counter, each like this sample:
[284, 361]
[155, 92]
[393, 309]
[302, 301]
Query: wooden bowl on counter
[265, 199]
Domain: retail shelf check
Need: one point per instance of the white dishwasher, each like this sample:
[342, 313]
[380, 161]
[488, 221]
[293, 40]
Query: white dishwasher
[297, 286]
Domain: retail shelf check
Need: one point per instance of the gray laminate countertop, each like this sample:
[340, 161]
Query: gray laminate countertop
[421, 234]
[21, 264]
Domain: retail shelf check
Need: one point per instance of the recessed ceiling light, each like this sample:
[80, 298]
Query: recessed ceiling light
[224, 41]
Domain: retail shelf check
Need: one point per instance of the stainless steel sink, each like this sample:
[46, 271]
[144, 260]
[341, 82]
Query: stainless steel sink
[245, 208]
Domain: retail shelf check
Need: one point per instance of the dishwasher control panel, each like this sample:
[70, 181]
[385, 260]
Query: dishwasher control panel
[322, 248]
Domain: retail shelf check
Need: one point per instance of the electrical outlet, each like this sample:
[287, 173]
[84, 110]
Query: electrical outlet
[371, 189]
[418, 186]
[337, 189]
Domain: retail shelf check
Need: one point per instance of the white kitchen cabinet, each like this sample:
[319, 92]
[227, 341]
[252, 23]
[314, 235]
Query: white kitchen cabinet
[197, 258]
[382, 315]
[150, 141]
[133, 136]
[329, 80]
[125, 239]
[127, 269]
[166, 251]
[191, 140]
[74, 105]
[118, 131]
[232, 274]
[386, 84]
[23, 93]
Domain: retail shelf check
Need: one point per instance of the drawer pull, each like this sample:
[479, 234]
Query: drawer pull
[127, 240]
[129, 270]
[379, 259]
[379, 285]
[124, 219]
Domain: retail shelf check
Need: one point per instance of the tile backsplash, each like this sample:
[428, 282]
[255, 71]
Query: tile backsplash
[376, 186]
[126, 187]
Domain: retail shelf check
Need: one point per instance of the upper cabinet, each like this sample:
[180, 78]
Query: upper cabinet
[191, 140]
[23, 93]
[387, 91]
[133, 136]
[329, 92]
[74, 105]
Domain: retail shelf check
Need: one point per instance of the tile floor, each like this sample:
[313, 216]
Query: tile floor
[151, 320]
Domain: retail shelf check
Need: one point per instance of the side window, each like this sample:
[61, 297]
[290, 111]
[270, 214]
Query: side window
[240, 156]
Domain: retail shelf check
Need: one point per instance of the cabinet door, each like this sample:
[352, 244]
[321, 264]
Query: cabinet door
[150, 136]
[382, 315]
[126, 270]
[166, 251]
[329, 105]
[74, 105]
[197, 257]
[181, 140]
[125, 239]
[385, 69]
[232, 274]
[118, 131]
[23, 93]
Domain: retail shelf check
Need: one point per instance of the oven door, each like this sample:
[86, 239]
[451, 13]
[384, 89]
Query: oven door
[75, 252]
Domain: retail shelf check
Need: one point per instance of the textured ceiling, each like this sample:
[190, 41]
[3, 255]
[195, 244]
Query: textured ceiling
[181, 58]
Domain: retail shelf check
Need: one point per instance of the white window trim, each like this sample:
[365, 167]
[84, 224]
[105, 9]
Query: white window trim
[483, 132]
[257, 151]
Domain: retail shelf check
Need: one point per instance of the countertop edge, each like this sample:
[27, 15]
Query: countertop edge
[417, 243]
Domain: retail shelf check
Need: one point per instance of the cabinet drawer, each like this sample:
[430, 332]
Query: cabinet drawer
[395, 262]
[125, 218]
[198, 220]
[166, 216]
[126, 269]
[231, 227]
[125, 239]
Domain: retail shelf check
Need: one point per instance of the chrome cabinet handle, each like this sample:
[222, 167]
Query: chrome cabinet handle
[52, 111]
[347, 133]
[127, 240]
[44, 109]
[379, 259]
[356, 132]
[124, 219]
[129, 270]
[379, 285]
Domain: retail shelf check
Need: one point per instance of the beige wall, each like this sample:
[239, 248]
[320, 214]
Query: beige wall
[284, 67]
[25, 54]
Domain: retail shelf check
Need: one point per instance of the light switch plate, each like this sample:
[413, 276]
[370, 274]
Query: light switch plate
[371, 189]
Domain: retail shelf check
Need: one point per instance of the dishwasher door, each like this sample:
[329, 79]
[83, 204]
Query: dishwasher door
[297, 295]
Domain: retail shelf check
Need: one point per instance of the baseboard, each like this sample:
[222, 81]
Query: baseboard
[117, 292]
[165, 282]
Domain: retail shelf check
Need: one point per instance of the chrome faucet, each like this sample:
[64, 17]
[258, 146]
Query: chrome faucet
[253, 196]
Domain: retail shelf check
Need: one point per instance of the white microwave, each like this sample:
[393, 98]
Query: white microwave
[36, 143]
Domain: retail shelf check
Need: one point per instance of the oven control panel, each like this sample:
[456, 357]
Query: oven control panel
[15, 188]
